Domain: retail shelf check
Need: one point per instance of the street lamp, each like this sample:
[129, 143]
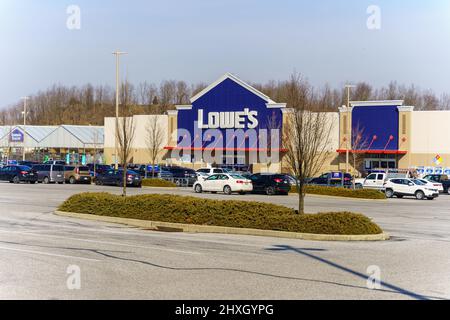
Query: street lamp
[24, 112]
[349, 134]
[117, 54]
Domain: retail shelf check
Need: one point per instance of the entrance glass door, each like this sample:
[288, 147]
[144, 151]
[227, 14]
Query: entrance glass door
[371, 164]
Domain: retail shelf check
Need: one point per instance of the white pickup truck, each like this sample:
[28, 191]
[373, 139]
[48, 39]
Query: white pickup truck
[376, 180]
[373, 181]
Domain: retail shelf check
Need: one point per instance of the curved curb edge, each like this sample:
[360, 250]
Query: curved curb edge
[192, 228]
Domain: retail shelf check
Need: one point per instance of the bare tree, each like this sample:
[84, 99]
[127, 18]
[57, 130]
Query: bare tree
[125, 132]
[306, 136]
[154, 141]
[358, 148]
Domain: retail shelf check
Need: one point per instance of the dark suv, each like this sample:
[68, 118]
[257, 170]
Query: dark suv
[440, 178]
[270, 184]
[333, 179]
[99, 169]
[181, 176]
[115, 178]
[17, 174]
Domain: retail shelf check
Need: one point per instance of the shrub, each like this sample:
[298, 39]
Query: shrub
[158, 183]
[342, 192]
[230, 213]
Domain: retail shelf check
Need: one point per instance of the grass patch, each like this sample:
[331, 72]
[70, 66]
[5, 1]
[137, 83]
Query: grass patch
[342, 192]
[158, 183]
[228, 213]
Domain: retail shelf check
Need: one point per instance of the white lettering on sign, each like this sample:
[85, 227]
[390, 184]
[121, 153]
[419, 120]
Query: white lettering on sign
[228, 120]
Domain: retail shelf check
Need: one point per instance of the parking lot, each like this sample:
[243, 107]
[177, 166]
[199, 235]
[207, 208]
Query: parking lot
[36, 247]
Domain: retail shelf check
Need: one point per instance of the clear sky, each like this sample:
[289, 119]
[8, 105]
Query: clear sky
[199, 40]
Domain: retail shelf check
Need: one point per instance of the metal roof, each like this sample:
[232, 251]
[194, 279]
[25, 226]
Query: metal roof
[87, 134]
[56, 135]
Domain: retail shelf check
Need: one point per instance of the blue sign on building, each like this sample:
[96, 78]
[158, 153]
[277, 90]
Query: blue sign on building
[378, 126]
[226, 105]
[16, 135]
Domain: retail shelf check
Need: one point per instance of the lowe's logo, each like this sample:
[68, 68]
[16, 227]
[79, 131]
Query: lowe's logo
[16, 136]
[228, 120]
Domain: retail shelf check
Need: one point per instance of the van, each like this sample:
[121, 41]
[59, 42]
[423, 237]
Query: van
[49, 173]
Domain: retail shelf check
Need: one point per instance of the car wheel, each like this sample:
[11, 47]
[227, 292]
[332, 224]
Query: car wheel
[46, 180]
[389, 193]
[72, 180]
[198, 188]
[98, 182]
[227, 190]
[270, 191]
[420, 195]
[16, 180]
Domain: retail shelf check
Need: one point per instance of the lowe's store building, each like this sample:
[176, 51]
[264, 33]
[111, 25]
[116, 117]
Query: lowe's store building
[232, 118]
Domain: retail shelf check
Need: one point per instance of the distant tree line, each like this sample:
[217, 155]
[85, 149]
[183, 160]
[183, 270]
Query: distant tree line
[90, 104]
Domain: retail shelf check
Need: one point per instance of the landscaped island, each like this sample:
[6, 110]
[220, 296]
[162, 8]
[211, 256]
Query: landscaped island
[225, 213]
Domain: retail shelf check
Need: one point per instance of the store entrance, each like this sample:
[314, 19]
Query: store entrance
[380, 162]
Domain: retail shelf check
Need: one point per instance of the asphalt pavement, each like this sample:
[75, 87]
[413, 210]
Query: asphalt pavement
[44, 256]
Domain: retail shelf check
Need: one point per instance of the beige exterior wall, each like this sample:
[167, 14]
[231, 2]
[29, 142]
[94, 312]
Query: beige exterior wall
[140, 149]
[430, 136]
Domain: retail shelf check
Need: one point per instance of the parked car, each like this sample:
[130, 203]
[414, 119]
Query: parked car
[333, 179]
[401, 187]
[49, 173]
[17, 174]
[372, 181]
[226, 183]
[432, 184]
[27, 163]
[202, 176]
[77, 174]
[210, 171]
[270, 184]
[182, 176]
[143, 168]
[441, 178]
[99, 168]
[58, 162]
[114, 177]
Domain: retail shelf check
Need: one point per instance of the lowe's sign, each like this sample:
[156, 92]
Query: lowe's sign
[225, 110]
[229, 120]
[16, 136]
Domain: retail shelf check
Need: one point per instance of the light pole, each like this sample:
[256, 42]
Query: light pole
[349, 131]
[24, 112]
[117, 54]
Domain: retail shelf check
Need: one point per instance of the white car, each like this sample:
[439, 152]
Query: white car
[226, 183]
[433, 184]
[401, 187]
[210, 171]
[201, 176]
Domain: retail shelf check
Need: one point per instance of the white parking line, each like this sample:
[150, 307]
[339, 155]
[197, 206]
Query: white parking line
[48, 254]
[100, 242]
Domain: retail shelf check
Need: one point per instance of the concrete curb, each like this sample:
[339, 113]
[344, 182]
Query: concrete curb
[163, 188]
[192, 228]
[336, 197]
